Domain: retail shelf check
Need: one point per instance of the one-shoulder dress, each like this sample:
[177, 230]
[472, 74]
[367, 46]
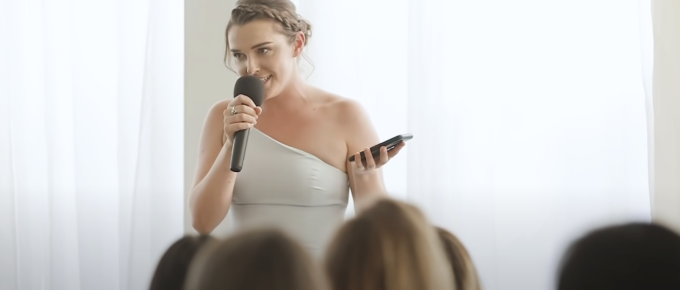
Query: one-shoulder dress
[284, 187]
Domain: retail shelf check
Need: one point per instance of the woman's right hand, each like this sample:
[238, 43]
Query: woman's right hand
[240, 114]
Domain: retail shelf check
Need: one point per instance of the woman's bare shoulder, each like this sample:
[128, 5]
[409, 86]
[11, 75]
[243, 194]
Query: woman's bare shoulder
[340, 106]
[349, 114]
[216, 112]
[354, 122]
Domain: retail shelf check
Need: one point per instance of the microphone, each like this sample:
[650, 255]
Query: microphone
[252, 87]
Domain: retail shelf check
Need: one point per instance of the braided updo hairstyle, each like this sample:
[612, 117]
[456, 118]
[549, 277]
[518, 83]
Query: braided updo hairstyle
[282, 11]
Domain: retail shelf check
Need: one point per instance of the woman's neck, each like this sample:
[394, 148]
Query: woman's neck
[291, 98]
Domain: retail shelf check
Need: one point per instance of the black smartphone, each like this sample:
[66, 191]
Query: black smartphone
[390, 144]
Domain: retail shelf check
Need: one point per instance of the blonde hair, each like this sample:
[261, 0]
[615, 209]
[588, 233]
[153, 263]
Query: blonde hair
[263, 259]
[388, 246]
[464, 269]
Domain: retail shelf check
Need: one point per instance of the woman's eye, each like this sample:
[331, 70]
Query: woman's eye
[264, 50]
[238, 55]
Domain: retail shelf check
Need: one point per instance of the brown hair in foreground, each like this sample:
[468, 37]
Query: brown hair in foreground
[464, 269]
[264, 259]
[388, 246]
[172, 269]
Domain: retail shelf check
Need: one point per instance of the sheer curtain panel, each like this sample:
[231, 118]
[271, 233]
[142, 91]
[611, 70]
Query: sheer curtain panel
[529, 116]
[90, 141]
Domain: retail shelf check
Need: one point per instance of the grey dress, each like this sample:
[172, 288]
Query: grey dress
[290, 189]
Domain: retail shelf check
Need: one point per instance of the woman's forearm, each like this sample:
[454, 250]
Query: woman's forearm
[367, 187]
[211, 198]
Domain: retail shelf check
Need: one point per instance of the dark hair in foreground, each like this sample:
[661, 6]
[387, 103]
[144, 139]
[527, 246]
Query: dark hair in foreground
[631, 256]
[174, 264]
[264, 259]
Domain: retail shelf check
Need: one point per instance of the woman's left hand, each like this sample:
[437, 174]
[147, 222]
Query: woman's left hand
[372, 164]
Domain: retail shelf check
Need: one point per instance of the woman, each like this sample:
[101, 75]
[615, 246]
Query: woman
[263, 259]
[464, 270]
[631, 256]
[174, 265]
[388, 246]
[296, 175]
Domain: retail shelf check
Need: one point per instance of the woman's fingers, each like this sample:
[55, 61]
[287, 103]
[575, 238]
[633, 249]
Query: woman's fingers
[242, 100]
[241, 114]
[384, 157]
[241, 109]
[357, 163]
[396, 150]
[233, 127]
[370, 162]
[239, 121]
[241, 118]
[243, 104]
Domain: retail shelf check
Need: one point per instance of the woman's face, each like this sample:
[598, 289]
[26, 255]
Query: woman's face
[259, 48]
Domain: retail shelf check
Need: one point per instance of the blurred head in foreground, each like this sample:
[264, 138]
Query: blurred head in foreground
[262, 259]
[389, 245]
[464, 269]
[174, 265]
[632, 256]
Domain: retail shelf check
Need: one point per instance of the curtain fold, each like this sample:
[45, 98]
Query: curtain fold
[91, 148]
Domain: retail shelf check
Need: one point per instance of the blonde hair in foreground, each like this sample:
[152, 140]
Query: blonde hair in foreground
[264, 259]
[388, 246]
[464, 269]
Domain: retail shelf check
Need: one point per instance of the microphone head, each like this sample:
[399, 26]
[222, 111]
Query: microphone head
[252, 87]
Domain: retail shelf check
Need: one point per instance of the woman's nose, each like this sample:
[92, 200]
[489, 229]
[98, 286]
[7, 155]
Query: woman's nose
[252, 67]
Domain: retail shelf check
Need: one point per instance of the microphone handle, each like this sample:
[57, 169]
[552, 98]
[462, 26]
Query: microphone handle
[238, 150]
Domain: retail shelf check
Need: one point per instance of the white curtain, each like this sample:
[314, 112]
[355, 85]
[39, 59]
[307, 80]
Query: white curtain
[529, 116]
[91, 125]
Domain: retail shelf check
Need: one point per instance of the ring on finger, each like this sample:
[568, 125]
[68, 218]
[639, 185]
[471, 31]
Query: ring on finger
[233, 111]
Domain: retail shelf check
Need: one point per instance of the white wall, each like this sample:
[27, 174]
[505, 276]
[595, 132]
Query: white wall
[206, 79]
[666, 163]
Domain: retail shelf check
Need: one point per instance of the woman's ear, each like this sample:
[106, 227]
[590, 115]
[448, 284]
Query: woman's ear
[299, 44]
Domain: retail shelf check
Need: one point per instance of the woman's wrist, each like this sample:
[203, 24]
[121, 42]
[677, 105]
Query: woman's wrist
[369, 182]
[227, 144]
[225, 157]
